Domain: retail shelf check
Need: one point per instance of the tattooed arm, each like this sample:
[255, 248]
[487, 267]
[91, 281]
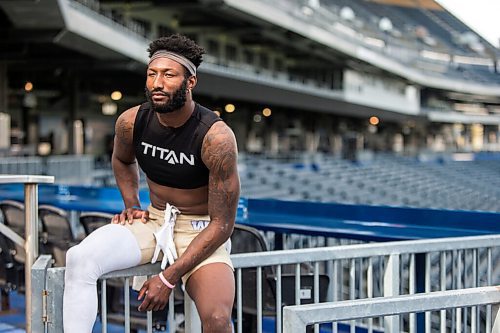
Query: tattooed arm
[124, 165]
[219, 153]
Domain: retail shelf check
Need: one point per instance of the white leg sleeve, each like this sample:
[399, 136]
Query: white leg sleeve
[107, 249]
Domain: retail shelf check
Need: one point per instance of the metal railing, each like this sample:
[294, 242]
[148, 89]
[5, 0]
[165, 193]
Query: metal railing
[31, 227]
[351, 272]
[30, 165]
[68, 169]
[379, 269]
[94, 8]
[71, 169]
[296, 318]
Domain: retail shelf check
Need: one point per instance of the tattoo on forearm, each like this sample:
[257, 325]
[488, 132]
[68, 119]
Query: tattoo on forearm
[220, 155]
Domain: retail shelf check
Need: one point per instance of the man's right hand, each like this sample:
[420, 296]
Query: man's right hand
[129, 215]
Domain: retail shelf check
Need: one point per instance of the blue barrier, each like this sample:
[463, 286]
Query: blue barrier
[87, 198]
[368, 223]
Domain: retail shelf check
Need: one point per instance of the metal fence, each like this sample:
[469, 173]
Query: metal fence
[67, 169]
[296, 318]
[71, 169]
[266, 281]
[30, 165]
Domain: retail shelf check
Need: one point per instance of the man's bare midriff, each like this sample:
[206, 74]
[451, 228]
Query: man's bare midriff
[188, 201]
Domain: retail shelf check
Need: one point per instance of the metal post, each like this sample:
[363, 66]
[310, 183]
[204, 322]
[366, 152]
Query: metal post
[427, 290]
[4, 87]
[259, 299]
[31, 244]
[55, 286]
[279, 320]
[38, 294]
[31, 228]
[391, 288]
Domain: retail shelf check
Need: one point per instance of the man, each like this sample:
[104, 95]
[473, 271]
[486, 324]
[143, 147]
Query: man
[190, 158]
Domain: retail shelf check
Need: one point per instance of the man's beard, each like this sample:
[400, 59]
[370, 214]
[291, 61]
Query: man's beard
[176, 100]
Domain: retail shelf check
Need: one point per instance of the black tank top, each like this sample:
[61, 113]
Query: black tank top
[172, 156]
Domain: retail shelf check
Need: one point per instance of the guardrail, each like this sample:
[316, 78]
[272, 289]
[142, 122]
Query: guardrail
[297, 318]
[68, 169]
[31, 225]
[351, 271]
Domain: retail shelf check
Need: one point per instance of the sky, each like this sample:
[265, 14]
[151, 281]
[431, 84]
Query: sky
[481, 15]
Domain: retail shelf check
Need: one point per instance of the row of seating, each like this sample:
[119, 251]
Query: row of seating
[384, 180]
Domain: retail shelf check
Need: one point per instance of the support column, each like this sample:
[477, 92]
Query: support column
[4, 116]
[4, 87]
[73, 107]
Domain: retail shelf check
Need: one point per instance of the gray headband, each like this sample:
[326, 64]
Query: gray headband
[175, 57]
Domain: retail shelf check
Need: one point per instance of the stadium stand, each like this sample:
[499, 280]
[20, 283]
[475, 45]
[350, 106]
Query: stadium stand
[407, 53]
[384, 180]
[324, 67]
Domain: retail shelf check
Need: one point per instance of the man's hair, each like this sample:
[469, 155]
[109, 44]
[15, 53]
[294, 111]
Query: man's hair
[179, 44]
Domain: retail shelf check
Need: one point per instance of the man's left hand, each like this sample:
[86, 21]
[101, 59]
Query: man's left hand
[155, 295]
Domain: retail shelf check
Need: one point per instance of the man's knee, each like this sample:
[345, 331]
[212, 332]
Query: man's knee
[217, 321]
[80, 265]
[74, 257]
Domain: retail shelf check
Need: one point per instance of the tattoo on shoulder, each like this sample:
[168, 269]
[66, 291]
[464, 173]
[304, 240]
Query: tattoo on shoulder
[219, 150]
[124, 130]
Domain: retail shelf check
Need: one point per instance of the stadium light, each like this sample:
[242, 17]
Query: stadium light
[266, 112]
[374, 121]
[44, 148]
[229, 108]
[257, 118]
[28, 86]
[116, 95]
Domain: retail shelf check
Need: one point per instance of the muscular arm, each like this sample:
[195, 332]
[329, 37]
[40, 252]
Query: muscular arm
[219, 153]
[123, 161]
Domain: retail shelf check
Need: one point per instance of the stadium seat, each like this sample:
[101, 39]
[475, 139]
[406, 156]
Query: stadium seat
[13, 217]
[11, 271]
[93, 220]
[57, 227]
[13, 256]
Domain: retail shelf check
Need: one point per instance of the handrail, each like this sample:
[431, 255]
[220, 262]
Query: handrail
[296, 256]
[284, 257]
[31, 224]
[297, 317]
[392, 250]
